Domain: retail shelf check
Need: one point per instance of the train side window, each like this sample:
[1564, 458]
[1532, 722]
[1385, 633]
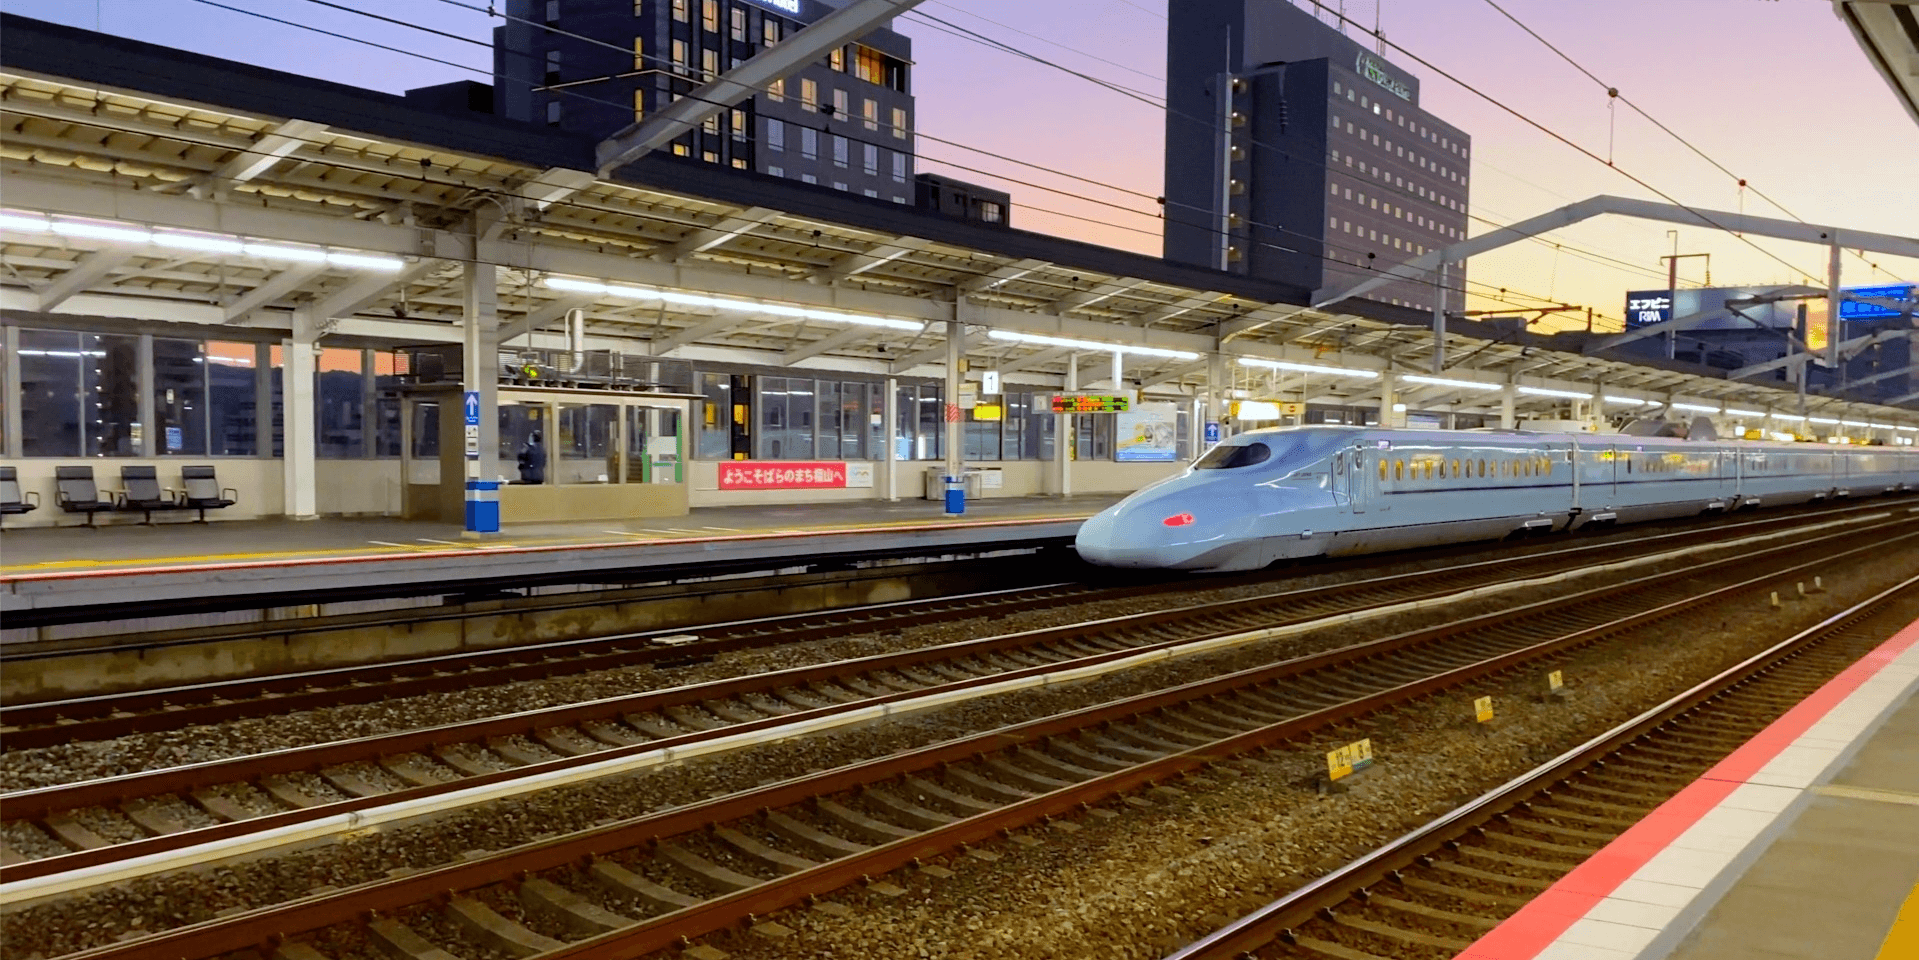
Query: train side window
[1429, 469]
[1399, 469]
[1382, 468]
[1546, 465]
[1454, 467]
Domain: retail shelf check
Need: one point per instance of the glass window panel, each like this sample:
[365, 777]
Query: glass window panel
[426, 430]
[50, 393]
[110, 393]
[276, 373]
[770, 439]
[387, 367]
[665, 465]
[830, 415]
[231, 392]
[524, 441]
[588, 444]
[799, 410]
[905, 422]
[1012, 441]
[852, 421]
[715, 440]
[179, 398]
[636, 435]
[932, 437]
[340, 384]
[876, 418]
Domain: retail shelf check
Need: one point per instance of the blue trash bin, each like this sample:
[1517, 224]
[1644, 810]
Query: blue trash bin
[955, 495]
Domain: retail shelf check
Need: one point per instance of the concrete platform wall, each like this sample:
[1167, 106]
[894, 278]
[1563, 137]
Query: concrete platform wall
[363, 488]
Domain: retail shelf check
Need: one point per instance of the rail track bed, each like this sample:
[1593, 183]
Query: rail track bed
[642, 883]
[36, 725]
[86, 824]
[633, 662]
[1432, 892]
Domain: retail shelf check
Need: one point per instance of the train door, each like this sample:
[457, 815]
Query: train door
[1359, 484]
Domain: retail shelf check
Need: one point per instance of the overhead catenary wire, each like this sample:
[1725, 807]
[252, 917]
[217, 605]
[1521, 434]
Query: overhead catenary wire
[1562, 138]
[623, 50]
[1162, 216]
[1742, 182]
[1376, 186]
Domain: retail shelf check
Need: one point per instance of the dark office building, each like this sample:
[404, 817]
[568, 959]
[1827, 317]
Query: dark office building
[844, 122]
[1316, 167]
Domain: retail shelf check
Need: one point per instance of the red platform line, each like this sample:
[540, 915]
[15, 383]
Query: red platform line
[1538, 924]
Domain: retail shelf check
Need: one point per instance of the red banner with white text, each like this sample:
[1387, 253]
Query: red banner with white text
[782, 475]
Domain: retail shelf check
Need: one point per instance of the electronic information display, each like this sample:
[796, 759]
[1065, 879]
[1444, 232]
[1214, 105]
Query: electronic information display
[1090, 403]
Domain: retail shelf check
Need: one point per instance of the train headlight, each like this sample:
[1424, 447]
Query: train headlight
[1178, 520]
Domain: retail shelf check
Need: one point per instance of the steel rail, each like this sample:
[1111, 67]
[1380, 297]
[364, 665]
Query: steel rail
[1304, 607]
[105, 716]
[266, 924]
[1276, 920]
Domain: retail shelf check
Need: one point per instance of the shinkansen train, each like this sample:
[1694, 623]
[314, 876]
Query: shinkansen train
[1293, 492]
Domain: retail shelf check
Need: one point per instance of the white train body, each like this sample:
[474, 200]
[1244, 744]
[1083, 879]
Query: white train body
[1286, 493]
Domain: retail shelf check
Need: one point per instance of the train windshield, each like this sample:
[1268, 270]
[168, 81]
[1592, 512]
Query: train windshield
[1226, 457]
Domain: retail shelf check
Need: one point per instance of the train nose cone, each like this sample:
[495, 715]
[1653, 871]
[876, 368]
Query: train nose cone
[1100, 541]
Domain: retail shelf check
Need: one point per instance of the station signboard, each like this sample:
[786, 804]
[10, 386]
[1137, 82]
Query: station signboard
[793, 475]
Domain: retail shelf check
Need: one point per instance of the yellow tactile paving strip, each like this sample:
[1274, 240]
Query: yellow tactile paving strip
[377, 549]
[1902, 942]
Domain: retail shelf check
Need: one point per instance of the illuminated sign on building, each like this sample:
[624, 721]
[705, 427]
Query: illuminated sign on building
[1369, 67]
[784, 6]
[1646, 309]
[1851, 310]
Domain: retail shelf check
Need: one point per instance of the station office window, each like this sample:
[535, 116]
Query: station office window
[180, 397]
[79, 394]
[340, 396]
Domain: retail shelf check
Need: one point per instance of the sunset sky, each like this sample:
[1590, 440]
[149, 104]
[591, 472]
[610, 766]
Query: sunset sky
[1777, 92]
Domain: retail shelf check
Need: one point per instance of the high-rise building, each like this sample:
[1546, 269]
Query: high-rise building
[845, 121]
[1295, 154]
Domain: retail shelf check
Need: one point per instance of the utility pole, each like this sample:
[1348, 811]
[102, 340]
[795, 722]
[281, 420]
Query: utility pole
[1672, 289]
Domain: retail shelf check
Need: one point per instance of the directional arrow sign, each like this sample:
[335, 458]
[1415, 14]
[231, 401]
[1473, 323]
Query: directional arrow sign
[473, 408]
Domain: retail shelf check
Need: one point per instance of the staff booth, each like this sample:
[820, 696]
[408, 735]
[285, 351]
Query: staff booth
[569, 448]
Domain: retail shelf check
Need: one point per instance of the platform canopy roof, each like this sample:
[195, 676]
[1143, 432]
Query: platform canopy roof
[1888, 34]
[357, 210]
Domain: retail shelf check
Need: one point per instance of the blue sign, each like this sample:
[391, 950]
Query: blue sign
[1212, 431]
[176, 439]
[1850, 310]
[473, 408]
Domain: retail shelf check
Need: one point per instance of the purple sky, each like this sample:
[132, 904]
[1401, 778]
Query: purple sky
[1778, 92]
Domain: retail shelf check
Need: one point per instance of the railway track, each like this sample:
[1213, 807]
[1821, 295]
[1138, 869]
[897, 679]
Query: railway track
[1435, 890]
[140, 815]
[638, 885]
[33, 725]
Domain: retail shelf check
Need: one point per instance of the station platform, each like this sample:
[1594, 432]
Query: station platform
[50, 575]
[1801, 845]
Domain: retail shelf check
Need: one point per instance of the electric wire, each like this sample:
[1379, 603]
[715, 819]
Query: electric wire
[1081, 197]
[1556, 135]
[1377, 186]
[327, 3]
[1636, 108]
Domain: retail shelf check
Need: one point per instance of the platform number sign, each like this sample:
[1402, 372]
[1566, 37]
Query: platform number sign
[1483, 709]
[1349, 759]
